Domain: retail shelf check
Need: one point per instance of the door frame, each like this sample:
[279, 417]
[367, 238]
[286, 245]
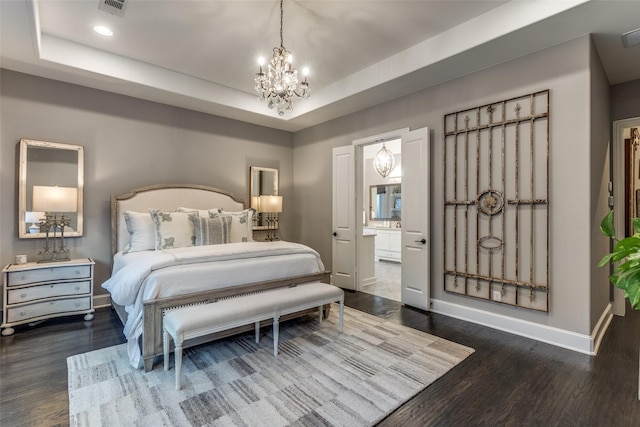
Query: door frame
[619, 194]
[359, 171]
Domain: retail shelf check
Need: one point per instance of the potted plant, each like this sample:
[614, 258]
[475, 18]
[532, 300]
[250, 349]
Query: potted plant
[626, 275]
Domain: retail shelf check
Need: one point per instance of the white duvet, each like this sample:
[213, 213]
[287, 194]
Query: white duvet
[148, 275]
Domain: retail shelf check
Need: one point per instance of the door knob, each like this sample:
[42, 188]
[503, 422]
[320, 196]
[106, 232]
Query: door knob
[335, 234]
[423, 241]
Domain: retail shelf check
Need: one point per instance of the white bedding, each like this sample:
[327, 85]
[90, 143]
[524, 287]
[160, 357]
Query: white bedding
[148, 275]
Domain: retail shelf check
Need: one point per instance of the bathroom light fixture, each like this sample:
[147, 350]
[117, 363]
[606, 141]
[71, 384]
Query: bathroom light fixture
[280, 83]
[384, 161]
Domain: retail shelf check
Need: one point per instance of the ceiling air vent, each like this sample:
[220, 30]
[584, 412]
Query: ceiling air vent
[631, 38]
[114, 7]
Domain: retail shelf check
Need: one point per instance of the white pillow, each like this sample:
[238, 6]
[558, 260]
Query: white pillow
[173, 229]
[141, 231]
[241, 225]
[202, 213]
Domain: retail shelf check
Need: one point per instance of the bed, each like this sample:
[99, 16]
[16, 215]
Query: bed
[151, 274]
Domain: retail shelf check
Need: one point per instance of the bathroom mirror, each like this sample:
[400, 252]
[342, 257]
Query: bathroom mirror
[263, 182]
[50, 165]
[385, 202]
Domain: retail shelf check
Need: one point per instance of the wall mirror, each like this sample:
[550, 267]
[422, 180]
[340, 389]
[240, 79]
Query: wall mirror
[385, 202]
[48, 168]
[263, 182]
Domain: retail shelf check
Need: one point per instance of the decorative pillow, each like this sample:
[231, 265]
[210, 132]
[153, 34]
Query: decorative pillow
[141, 231]
[241, 225]
[212, 231]
[173, 229]
[203, 213]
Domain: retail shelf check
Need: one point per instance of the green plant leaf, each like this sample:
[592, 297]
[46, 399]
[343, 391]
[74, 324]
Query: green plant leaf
[626, 266]
[606, 259]
[606, 225]
[626, 275]
[622, 254]
[628, 243]
[629, 282]
[634, 297]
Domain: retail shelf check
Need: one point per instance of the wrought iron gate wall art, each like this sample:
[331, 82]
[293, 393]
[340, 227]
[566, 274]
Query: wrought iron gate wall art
[496, 208]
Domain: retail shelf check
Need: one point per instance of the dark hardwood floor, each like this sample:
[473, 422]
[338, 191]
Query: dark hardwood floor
[508, 381]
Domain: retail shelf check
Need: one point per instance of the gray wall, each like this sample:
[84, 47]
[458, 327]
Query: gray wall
[128, 143]
[600, 176]
[625, 100]
[565, 70]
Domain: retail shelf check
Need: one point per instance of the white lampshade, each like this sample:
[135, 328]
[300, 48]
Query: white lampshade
[270, 204]
[255, 203]
[33, 216]
[55, 199]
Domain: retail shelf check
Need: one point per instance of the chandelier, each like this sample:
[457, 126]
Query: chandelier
[384, 161]
[280, 83]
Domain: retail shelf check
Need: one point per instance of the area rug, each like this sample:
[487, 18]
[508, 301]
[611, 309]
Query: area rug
[320, 377]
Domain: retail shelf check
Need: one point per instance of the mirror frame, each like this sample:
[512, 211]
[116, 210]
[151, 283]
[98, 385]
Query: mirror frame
[253, 176]
[371, 189]
[22, 187]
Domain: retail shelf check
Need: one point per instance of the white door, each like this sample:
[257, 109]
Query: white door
[344, 216]
[415, 219]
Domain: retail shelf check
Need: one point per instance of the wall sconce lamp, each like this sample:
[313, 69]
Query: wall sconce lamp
[271, 206]
[53, 201]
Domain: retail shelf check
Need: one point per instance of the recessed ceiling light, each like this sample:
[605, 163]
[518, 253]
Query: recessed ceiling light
[101, 29]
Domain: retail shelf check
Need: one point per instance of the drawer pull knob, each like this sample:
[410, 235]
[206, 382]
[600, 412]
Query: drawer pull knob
[23, 313]
[23, 295]
[77, 272]
[23, 277]
[51, 286]
[77, 288]
[77, 304]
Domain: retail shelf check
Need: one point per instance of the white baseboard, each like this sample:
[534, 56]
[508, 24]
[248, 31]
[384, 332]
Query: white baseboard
[100, 301]
[587, 344]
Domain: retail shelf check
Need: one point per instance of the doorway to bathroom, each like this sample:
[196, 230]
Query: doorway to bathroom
[382, 218]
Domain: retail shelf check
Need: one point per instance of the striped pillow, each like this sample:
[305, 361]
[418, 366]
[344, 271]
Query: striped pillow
[211, 231]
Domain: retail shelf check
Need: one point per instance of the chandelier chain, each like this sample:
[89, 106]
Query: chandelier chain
[281, 19]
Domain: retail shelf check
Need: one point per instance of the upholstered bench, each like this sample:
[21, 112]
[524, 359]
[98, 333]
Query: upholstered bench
[185, 323]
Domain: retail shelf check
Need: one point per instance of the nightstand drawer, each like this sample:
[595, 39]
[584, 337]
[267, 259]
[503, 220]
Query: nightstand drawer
[45, 308]
[48, 274]
[45, 291]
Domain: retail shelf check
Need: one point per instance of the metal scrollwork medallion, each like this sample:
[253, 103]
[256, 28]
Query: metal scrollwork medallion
[490, 202]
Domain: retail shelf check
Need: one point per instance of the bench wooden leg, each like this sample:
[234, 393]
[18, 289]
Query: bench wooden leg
[257, 328]
[341, 312]
[178, 365]
[276, 333]
[165, 349]
[320, 313]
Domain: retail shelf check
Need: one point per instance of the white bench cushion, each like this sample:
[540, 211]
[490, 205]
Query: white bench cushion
[195, 321]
